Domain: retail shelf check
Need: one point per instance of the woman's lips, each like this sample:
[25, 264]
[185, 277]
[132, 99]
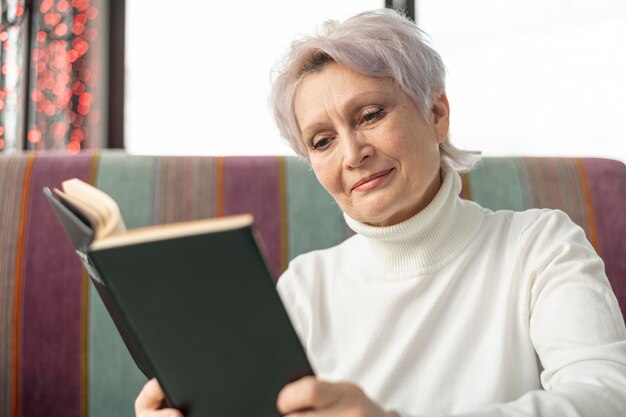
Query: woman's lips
[371, 181]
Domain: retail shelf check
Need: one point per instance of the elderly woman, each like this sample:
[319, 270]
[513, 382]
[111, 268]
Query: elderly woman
[436, 305]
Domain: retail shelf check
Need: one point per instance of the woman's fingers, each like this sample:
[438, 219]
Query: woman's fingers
[306, 393]
[149, 401]
[150, 397]
[310, 397]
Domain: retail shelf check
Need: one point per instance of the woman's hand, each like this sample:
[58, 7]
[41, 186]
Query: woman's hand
[311, 397]
[150, 400]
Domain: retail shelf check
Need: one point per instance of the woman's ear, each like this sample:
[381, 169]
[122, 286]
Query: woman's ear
[441, 117]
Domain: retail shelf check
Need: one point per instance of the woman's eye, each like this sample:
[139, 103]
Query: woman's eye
[320, 143]
[372, 116]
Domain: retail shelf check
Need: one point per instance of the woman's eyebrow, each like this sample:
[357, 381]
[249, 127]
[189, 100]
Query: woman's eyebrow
[358, 99]
[312, 128]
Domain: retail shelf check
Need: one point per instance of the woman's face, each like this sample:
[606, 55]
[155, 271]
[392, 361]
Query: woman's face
[369, 145]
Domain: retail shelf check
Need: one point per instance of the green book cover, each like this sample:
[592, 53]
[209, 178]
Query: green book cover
[198, 307]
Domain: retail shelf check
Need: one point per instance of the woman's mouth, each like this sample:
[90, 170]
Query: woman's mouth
[371, 181]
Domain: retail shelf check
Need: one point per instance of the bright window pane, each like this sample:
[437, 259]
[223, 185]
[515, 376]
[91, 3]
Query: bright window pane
[533, 77]
[198, 71]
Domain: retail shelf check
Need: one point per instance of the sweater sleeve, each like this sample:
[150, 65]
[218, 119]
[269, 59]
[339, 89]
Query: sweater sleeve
[575, 325]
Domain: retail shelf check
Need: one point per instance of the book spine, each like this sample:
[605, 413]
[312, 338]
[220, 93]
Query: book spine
[91, 270]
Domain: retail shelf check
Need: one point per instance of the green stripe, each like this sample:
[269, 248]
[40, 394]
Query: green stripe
[495, 184]
[114, 380]
[314, 219]
[130, 180]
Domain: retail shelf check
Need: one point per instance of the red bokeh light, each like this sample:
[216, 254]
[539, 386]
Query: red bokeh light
[80, 46]
[37, 96]
[45, 6]
[4, 36]
[81, 5]
[61, 29]
[1, 144]
[49, 108]
[60, 46]
[48, 75]
[38, 54]
[77, 135]
[73, 147]
[63, 6]
[52, 19]
[78, 88]
[1, 130]
[91, 13]
[80, 19]
[83, 110]
[63, 78]
[59, 61]
[72, 55]
[34, 136]
[77, 29]
[59, 89]
[85, 99]
[63, 98]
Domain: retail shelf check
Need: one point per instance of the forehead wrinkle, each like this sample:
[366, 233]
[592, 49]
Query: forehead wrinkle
[319, 119]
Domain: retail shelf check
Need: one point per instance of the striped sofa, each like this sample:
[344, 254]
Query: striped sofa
[60, 354]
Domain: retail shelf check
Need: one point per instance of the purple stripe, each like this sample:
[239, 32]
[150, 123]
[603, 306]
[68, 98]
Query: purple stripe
[251, 185]
[607, 186]
[51, 315]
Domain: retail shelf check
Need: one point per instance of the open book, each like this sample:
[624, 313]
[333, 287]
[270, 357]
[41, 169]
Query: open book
[100, 213]
[193, 301]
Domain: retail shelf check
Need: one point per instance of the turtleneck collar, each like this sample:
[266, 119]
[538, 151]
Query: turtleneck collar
[423, 242]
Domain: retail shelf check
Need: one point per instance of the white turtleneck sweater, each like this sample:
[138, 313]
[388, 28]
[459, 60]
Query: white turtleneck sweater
[461, 310]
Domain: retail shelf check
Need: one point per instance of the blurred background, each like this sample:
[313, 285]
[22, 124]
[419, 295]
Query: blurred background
[159, 77]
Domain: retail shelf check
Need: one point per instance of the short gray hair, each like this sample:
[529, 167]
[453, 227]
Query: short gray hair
[377, 43]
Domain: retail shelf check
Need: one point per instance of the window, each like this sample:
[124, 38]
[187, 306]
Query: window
[533, 77]
[525, 77]
[198, 79]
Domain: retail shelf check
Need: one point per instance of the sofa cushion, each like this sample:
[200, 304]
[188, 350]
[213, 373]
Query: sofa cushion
[59, 351]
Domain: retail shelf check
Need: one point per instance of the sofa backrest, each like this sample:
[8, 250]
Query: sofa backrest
[59, 351]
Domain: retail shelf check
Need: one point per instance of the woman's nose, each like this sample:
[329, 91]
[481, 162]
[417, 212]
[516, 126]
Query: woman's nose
[357, 149]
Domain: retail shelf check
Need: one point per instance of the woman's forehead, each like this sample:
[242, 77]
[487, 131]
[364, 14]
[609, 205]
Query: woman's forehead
[341, 87]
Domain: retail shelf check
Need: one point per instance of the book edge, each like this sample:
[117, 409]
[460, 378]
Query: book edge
[172, 230]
